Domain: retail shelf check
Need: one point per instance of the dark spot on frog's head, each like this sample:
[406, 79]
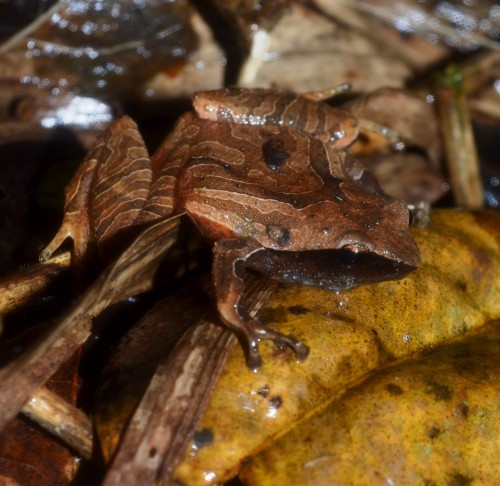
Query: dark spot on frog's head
[298, 310]
[394, 389]
[440, 392]
[278, 235]
[152, 452]
[274, 153]
[264, 391]
[458, 479]
[433, 432]
[461, 286]
[202, 438]
[276, 402]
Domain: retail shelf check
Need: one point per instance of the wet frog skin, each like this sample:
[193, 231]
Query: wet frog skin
[264, 177]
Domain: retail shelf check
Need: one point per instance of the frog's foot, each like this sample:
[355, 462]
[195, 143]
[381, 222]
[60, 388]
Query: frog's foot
[259, 332]
[392, 136]
[75, 225]
[230, 259]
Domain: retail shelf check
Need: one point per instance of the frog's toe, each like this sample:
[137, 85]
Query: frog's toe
[52, 247]
[254, 359]
[75, 226]
[300, 349]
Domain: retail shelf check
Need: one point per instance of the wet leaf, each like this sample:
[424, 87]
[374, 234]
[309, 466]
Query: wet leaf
[350, 333]
[429, 420]
[102, 46]
[412, 118]
[461, 25]
[305, 42]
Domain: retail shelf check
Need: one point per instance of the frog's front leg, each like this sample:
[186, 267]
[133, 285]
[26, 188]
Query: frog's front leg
[107, 192]
[229, 265]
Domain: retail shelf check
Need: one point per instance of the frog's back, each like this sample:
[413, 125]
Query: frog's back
[281, 187]
[267, 107]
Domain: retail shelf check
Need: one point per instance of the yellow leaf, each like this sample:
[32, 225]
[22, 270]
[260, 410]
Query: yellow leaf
[432, 420]
[350, 333]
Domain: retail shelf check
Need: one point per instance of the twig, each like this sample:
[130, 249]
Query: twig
[61, 419]
[20, 288]
[460, 148]
[19, 36]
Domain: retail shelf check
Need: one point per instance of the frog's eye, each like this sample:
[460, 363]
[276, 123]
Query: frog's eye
[353, 254]
[350, 255]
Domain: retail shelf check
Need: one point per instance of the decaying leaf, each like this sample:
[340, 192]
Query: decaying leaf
[428, 420]
[408, 167]
[461, 25]
[253, 14]
[127, 374]
[93, 45]
[412, 118]
[350, 333]
[29, 456]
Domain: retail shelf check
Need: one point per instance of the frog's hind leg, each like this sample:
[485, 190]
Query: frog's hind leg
[327, 93]
[230, 258]
[107, 192]
[75, 223]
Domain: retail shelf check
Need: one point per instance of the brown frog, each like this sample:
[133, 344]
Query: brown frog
[264, 176]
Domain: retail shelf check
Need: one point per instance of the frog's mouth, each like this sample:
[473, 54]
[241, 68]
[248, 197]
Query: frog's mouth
[331, 269]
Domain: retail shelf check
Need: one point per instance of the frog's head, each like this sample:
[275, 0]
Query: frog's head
[376, 223]
[358, 237]
[371, 238]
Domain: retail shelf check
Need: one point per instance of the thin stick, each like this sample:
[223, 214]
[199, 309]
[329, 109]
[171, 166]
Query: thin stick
[18, 289]
[19, 36]
[61, 419]
[460, 148]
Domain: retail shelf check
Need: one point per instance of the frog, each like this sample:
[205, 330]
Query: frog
[267, 178]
